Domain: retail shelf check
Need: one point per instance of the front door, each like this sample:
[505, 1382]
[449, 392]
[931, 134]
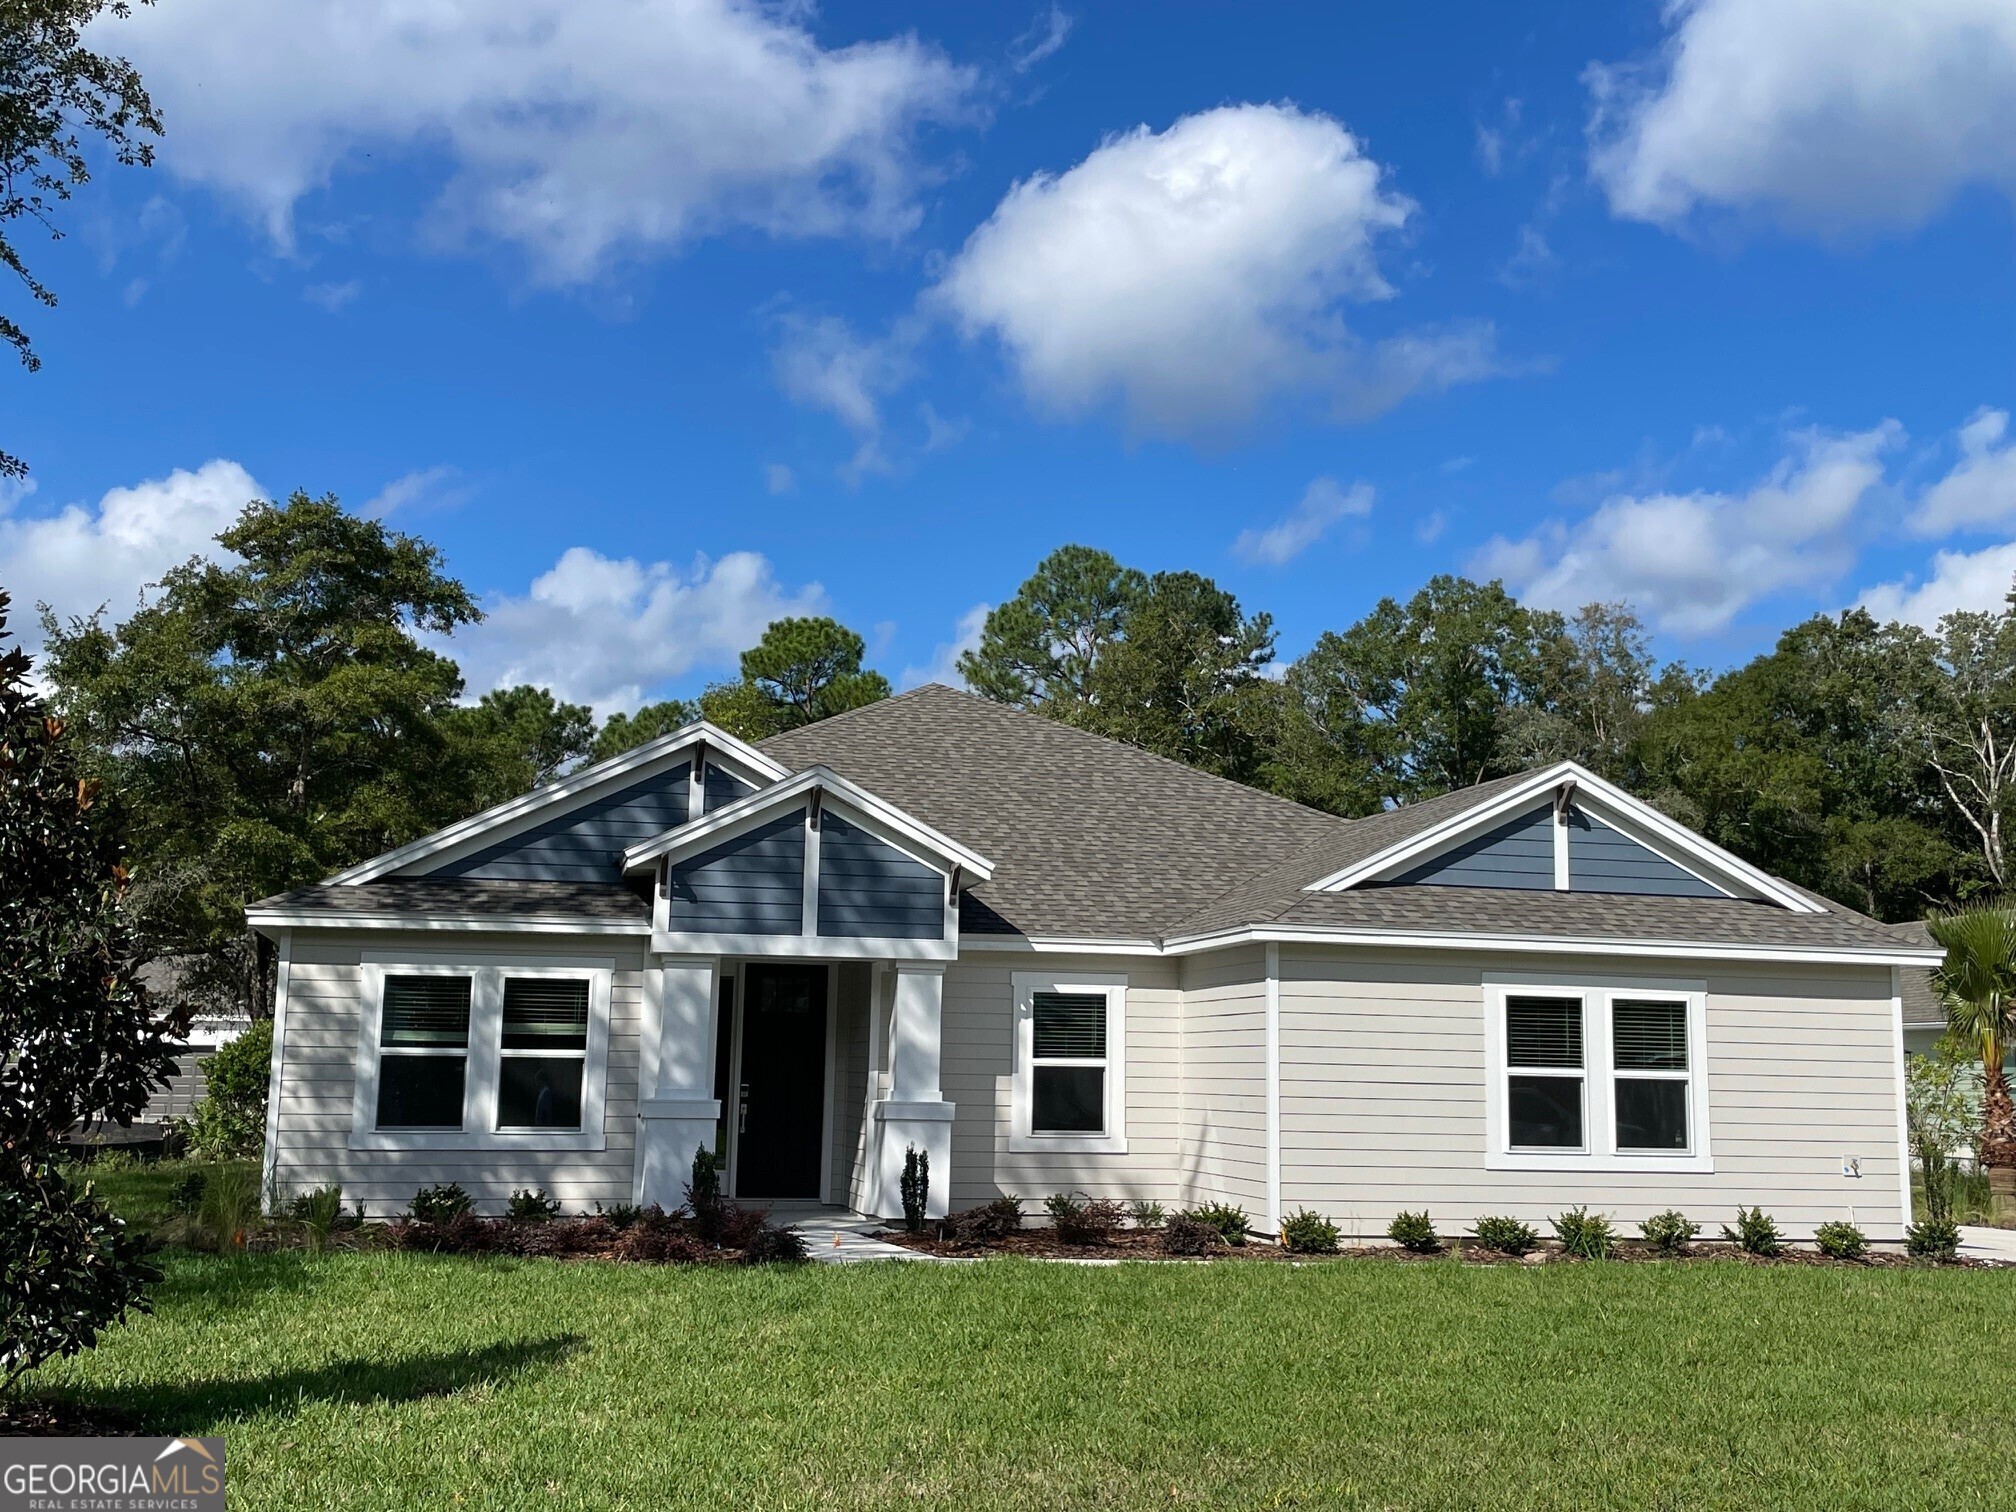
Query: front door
[783, 1081]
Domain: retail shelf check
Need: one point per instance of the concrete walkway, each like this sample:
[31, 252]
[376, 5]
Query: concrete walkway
[835, 1237]
[1997, 1244]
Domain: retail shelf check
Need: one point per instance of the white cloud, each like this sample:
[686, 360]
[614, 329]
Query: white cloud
[1978, 580]
[1323, 505]
[1043, 38]
[1192, 274]
[84, 557]
[425, 487]
[1981, 489]
[606, 631]
[944, 664]
[1692, 562]
[577, 132]
[778, 478]
[331, 297]
[1826, 114]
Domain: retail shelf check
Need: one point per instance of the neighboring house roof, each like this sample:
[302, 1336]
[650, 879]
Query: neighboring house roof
[1922, 1009]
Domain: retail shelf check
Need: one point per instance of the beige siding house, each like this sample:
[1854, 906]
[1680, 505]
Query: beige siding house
[1054, 963]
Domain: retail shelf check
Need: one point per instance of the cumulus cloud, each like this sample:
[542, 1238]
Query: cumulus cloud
[1692, 562]
[1323, 504]
[84, 557]
[1193, 273]
[1979, 580]
[576, 132]
[1829, 115]
[606, 630]
[1981, 490]
[944, 664]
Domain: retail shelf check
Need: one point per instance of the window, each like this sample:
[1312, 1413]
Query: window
[1602, 1075]
[1068, 1063]
[461, 1054]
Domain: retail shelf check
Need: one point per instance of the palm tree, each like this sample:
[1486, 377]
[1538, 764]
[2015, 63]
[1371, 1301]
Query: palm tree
[1977, 985]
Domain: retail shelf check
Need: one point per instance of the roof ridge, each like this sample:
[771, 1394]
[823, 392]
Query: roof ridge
[846, 714]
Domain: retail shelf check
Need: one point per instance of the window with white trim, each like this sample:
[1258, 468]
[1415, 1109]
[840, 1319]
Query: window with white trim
[1605, 1074]
[460, 1055]
[1069, 1091]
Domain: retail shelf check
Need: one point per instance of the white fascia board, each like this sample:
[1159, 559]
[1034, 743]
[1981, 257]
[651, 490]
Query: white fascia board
[266, 919]
[1059, 945]
[510, 817]
[1712, 863]
[1823, 955]
[801, 947]
[876, 815]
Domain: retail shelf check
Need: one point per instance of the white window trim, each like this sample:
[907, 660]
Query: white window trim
[479, 1129]
[1599, 1112]
[1024, 1140]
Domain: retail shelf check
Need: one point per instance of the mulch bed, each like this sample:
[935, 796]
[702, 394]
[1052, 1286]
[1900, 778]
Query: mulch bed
[1135, 1244]
[58, 1417]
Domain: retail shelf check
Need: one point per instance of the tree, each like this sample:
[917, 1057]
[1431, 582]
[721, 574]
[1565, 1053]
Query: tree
[78, 1036]
[522, 738]
[55, 91]
[1977, 985]
[802, 670]
[1038, 650]
[273, 720]
[625, 732]
[1596, 685]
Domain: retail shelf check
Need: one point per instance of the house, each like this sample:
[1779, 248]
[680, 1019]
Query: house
[1057, 963]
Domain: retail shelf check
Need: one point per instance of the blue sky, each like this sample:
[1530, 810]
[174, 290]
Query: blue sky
[662, 320]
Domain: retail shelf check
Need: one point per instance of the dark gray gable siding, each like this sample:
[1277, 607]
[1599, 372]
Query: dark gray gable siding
[585, 844]
[869, 889]
[723, 788]
[752, 884]
[1518, 853]
[1602, 859]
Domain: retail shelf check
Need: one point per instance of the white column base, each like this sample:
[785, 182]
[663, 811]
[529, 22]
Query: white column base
[670, 1132]
[898, 1126]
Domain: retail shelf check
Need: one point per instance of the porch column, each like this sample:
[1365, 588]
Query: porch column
[915, 1112]
[676, 1106]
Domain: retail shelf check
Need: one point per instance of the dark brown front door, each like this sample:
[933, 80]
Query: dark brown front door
[783, 1081]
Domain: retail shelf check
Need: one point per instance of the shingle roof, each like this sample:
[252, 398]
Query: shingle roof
[1922, 1009]
[462, 895]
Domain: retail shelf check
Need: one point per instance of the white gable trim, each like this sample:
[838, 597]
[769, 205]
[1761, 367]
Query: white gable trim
[876, 815]
[1632, 816]
[521, 813]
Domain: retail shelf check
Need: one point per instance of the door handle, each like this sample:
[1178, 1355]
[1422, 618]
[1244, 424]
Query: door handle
[742, 1111]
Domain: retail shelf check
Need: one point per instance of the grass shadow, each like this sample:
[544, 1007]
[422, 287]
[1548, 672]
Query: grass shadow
[184, 1407]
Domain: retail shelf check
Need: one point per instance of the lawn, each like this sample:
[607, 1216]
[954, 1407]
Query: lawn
[386, 1380]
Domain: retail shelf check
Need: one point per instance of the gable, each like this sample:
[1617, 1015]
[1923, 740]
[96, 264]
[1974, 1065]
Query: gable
[1604, 859]
[583, 844]
[868, 889]
[753, 883]
[1518, 853]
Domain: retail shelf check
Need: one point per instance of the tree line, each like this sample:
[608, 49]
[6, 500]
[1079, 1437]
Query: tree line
[271, 718]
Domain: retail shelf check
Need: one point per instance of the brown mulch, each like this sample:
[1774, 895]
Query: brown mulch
[58, 1417]
[1134, 1244]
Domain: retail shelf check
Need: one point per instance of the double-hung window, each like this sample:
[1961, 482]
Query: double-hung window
[1069, 1085]
[482, 1054]
[1598, 1074]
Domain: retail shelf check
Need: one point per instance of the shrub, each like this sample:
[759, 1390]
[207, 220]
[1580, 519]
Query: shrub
[1585, 1235]
[230, 1121]
[774, 1245]
[1934, 1239]
[1146, 1214]
[1841, 1241]
[1508, 1236]
[1187, 1235]
[651, 1244]
[69, 1269]
[1308, 1233]
[620, 1215]
[459, 1234]
[533, 1207]
[318, 1211]
[915, 1184]
[989, 1221]
[1755, 1233]
[703, 1195]
[230, 1205]
[438, 1204]
[1231, 1223]
[186, 1196]
[566, 1237]
[1669, 1232]
[1413, 1231]
[739, 1225]
[1084, 1220]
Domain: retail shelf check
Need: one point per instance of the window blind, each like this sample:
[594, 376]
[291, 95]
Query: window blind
[1543, 1032]
[545, 1013]
[1070, 1025]
[1650, 1036]
[426, 1013]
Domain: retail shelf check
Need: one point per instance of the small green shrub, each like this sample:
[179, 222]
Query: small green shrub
[771, 1245]
[533, 1207]
[1230, 1222]
[1508, 1236]
[186, 1196]
[1084, 1220]
[1146, 1214]
[988, 1222]
[1841, 1241]
[318, 1211]
[438, 1204]
[230, 1120]
[1308, 1233]
[1669, 1232]
[1585, 1235]
[230, 1206]
[1413, 1231]
[1934, 1239]
[915, 1187]
[1184, 1234]
[619, 1215]
[703, 1195]
[1755, 1233]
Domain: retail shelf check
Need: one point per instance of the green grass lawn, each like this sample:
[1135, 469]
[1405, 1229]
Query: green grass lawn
[140, 1191]
[393, 1380]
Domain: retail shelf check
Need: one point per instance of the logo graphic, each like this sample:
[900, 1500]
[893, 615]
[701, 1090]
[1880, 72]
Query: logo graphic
[112, 1475]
